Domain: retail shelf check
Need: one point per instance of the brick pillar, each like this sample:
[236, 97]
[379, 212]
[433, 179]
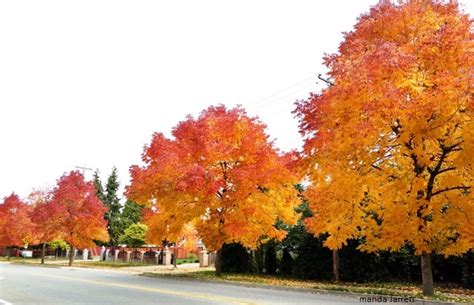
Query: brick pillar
[85, 254]
[167, 256]
[142, 256]
[203, 258]
[128, 256]
[116, 252]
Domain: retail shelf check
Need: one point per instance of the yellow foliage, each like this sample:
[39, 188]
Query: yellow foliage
[390, 146]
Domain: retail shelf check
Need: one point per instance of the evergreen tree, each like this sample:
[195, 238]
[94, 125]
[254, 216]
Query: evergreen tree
[112, 202]
[98, 186]
[131, 213]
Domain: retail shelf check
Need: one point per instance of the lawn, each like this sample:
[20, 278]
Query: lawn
[180, 261]
[77, 263]
[445, 292]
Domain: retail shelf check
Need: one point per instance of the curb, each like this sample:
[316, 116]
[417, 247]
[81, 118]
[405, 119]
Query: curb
[303, 290]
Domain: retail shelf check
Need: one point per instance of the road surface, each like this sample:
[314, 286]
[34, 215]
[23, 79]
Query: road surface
[23, 284]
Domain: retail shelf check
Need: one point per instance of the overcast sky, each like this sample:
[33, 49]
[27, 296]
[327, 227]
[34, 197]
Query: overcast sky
[86, 83]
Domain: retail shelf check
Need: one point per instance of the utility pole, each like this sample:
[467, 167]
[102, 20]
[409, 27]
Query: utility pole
[84, 169]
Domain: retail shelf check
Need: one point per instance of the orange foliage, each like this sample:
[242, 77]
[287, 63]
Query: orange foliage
[219, 172]
[47, 226]
[390, 146]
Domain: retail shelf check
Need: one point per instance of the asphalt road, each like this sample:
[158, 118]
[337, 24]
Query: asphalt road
[20, 284]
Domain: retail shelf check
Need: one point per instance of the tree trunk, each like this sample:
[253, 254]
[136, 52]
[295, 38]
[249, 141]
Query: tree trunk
[8, 253]
[259, 259]
[335, 265]
[426, 274]
[71, 255]
[218, 262]
[43, 250]
[175, 258]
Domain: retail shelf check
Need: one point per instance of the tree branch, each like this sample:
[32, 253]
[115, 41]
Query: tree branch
[463, 187]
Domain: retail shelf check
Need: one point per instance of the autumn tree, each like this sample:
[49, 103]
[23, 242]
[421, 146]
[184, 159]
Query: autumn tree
[390, 146]
[79, 213]
[16, 227]
[43, 215]
[221, 172]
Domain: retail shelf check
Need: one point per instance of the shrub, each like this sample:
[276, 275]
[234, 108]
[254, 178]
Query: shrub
[286, 264]
[235, 259]
[271, 264]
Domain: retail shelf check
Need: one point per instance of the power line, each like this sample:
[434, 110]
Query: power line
[264, 101]
[279, 99]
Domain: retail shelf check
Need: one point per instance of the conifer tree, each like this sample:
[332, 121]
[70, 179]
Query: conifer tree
[98, 186]
[131, 213]
[112, 202]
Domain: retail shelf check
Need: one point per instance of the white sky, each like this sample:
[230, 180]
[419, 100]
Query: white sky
[88, 82]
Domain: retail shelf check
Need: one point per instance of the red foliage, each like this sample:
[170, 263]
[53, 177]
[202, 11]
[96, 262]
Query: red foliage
[16, 228]
[78, 213]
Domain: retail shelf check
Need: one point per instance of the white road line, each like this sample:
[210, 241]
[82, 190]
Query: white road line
[5, 302]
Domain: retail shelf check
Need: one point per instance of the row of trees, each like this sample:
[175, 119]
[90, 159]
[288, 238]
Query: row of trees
[70, 212]
[388, 152]
[79, 213]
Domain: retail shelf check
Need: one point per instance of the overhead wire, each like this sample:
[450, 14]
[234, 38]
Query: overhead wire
[271, 98]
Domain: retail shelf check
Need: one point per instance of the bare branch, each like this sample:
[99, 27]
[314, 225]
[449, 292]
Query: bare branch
[327, 81]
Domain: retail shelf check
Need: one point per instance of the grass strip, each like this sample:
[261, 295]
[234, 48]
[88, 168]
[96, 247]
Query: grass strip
[444, 292]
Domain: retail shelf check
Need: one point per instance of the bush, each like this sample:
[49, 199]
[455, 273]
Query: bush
[313, 261]
[468, 270]
[257, 260]
[286, 264]
[193, 257]
[271, 265]
[235, 259]
[357, 266]
[134, 235]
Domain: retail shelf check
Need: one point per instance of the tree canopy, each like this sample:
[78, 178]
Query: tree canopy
[390, 146]
[79, 213]
[219, 171]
